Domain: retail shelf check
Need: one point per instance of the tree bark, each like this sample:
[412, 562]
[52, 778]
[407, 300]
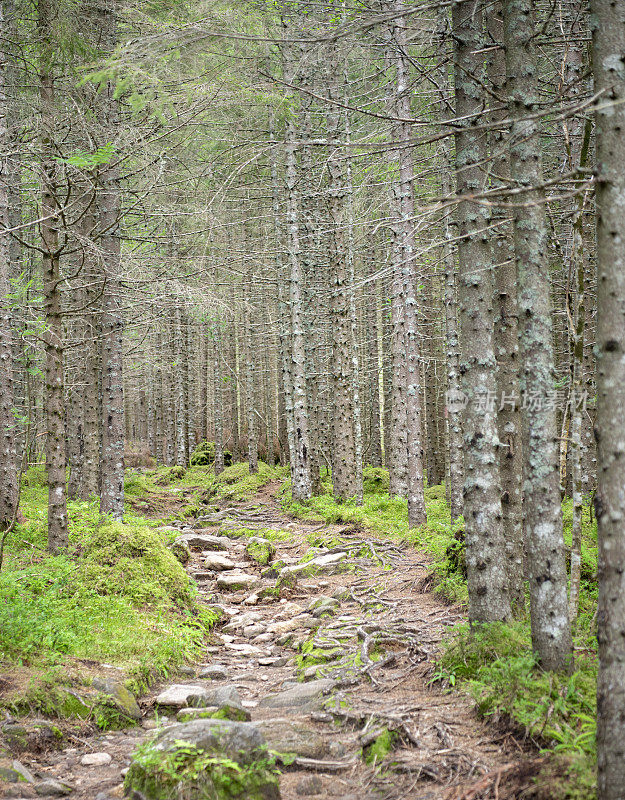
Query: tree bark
[608, 57]
[485, 547]
[9, 489]
[551, 630]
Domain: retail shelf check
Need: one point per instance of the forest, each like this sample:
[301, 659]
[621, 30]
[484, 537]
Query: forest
[312, 399]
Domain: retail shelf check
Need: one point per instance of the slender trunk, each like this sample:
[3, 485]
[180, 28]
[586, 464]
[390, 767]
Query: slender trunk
[485, 547]
[300, 464]
[551, 630]
[54, 397]
[609, 69]
[109, 202]
[8, 467]
[506, 330]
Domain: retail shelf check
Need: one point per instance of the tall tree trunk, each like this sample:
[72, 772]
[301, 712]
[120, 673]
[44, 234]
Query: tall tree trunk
[608, 58]
[506, 329]
[300, 463]
[8, 467]
[54, 396]
[551, 630]
[485, 547]
[109, 202]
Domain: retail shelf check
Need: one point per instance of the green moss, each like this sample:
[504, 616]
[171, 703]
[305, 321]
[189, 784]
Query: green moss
[133, 561]
[260, 550]
[193, 772]
[381, 747]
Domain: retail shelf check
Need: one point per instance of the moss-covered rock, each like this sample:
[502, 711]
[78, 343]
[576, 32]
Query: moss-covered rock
[260, 550]
[181, 550]
[206, 759]
[118, 696]
[132, 560]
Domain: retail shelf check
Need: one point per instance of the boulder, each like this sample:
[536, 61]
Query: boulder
[234, 581]
[285, 736]
[203, 541]
[158, 774]
[214, 672]
[299, 697]
[218, 561]
[123, 700]
[327, 564]
[180, 695]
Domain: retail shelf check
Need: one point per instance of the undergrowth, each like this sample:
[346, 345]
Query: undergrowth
[118, 596]
[495, 665]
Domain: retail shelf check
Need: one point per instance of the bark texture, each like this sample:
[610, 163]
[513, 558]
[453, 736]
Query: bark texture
[608, 19]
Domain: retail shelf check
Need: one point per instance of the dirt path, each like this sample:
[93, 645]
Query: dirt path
[374, 645]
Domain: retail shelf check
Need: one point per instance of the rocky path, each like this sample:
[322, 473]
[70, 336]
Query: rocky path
[325, 648]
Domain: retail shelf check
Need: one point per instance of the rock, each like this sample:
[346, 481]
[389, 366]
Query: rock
[245, 649]
[218, 562]
[253, 630]
[199, 541]
[214, 672]
[16, 736]
[185, 670]
[183, 695]
[53, 788]
[311, 784]
[123, 699]
[327, 564]
[241, 620]
[238, 713]
[181, 550]
[285, 736]
[241, 742]
[235, 581]
[260, 550]
[341, 593]
[289, 625]
[300, 697]
[252, 600]
[322, 600]
[202, 575]
[24, 773]
[263, 638]
[96, 760]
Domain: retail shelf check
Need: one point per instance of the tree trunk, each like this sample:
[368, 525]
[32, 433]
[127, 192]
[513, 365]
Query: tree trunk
[8, 468]
[485, 547]
[109, 203]
[609, 69]
[54, 397]
[551, 631]
[506, 330]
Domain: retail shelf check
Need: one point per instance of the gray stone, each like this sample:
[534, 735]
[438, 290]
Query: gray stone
[96, 760]
[234, 581]
[241, 741]
[327, 564]
[285, 736]
[254, 630]
[310, 785]
[214, 672]
[23, 772]
[53, 788]
[123, 699]
[300, 697]
[199, 541]
[218, 562]
[183, 695]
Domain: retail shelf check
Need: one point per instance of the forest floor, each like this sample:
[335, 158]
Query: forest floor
[335, 667]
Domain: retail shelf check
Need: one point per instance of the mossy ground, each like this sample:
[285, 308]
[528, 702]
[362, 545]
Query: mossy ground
[118, 596]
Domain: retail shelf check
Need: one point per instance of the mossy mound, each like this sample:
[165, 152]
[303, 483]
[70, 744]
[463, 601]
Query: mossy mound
[132, 560]
[169, 475]
[204, 760]
[260, 550]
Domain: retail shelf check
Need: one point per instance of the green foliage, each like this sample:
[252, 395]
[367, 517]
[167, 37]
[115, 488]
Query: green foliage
[192, 771]
[84, 160]
[495, 665]
[118, 596]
